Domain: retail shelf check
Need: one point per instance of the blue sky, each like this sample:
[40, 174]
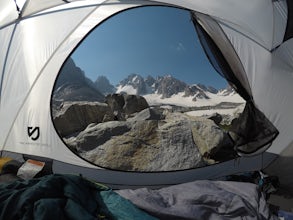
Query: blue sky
[148, 41]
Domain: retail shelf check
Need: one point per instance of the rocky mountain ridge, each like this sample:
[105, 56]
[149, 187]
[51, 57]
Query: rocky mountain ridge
[73, 85]
[167, 86]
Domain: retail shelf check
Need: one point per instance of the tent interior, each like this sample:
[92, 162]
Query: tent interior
[144, 109]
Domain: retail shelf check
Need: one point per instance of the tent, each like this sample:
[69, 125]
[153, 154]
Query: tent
[249, 40]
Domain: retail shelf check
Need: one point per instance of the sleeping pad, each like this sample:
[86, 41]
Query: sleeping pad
[64, 197]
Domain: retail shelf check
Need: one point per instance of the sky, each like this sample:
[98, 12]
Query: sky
[152, 41]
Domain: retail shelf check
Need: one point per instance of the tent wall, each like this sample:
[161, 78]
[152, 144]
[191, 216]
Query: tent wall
[35, 6]
[5, 36]
[8, 12]
[280, 15]
[289, 27]
[283, 168]
[269, 80]
[32, 47]
[39, 47]
[124, 179]
[278, 95]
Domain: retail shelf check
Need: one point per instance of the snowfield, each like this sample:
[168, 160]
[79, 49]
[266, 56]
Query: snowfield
[179, 100]
[155, 99]
[230, 111]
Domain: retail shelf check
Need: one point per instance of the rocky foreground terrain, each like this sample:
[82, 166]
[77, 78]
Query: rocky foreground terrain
[125, 133]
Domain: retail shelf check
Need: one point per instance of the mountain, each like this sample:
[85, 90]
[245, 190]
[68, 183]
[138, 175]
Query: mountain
[164, 85]
[167, 90]
[103, 85]
[196, 92]
[208, 88]
[227, 91]
[135, 84]
[73, 85]
[168, 86]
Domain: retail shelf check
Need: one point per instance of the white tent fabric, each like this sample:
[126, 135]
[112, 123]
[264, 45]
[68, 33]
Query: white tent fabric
[28, 7]
[252, 18]
[8, 12]
[34, 47]
[266, 72]
[280, 13]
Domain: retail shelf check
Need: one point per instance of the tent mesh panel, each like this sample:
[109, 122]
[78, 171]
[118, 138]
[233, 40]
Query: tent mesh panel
[252, 130]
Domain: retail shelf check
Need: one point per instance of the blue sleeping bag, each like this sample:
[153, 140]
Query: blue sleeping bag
[64, 197]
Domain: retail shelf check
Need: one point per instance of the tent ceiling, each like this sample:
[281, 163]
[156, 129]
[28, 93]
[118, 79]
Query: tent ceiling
[255, 18]
[252, 18]
[34, 6]
[289, 28]
[8, 12]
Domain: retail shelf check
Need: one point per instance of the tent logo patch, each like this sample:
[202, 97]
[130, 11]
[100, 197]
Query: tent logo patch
[33, 133]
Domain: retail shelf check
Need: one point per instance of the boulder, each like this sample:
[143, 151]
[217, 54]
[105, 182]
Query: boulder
[115, 101]
[76, 116]
[208, 136]
[149, 147]
[123, 105]
[148, 114]
[133, 151]
[134, 103]
[97, 134]
[178, 150]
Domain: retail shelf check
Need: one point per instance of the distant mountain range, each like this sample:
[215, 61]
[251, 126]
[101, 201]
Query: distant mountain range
[167, 86]
[160, 90]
